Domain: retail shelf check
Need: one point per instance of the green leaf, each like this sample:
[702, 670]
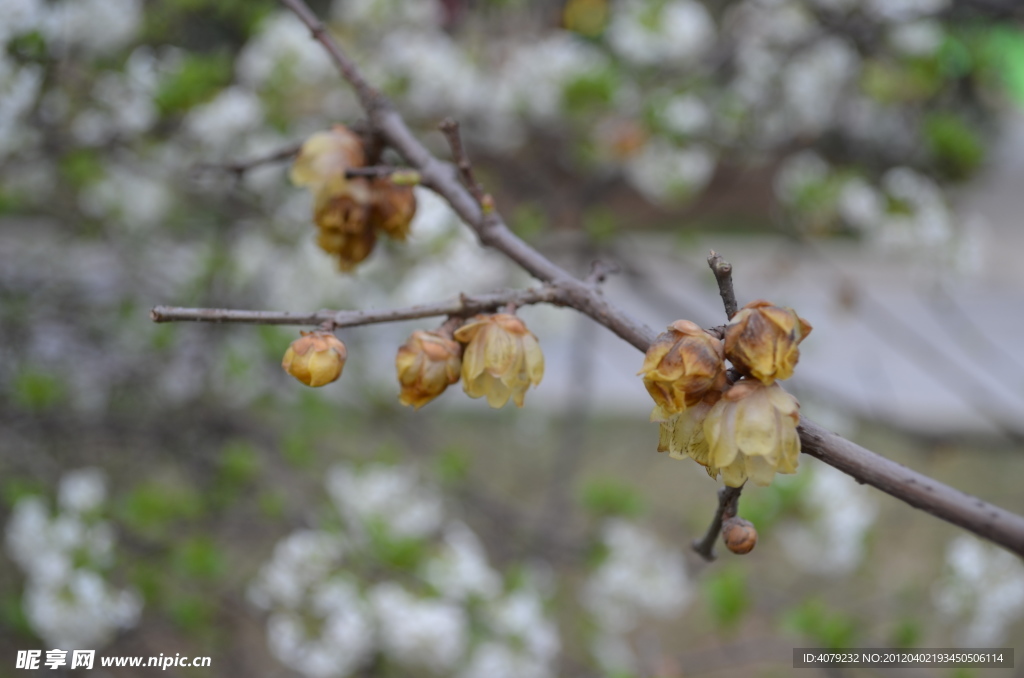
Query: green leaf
[957, 149]
[453, 465]
[610, 497]
[198, 78]
[830, 629]
[727, 596]
[34, 389]
[199, 558]
[153, 506]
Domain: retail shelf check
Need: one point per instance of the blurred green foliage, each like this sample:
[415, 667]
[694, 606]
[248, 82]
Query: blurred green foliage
[727, 595]
[606, 497]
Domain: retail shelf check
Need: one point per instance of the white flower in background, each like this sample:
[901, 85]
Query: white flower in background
[300, 561]
[396, 497]
[685, 114]
[917, 38]
[904, 10]
[797, 173]
[436, 74]
[332, 638]
[282, 41]
[930, 222]
[67, 601]
[671, 33]
[82, 491]
[378, 14]
[492, 659]
[982, 590]
[534, 77]
[639, 577]
[232, 114]
[20, 17]
[83, 612]
[664, 173]
[614, 654]
[95, 26]
[19, 89]
[461, 570]
[132, 198]
[861, 205]
[830, 541]
[814, 82]
[770, 23]
[519, 619]
[419, 632]
[837, 5]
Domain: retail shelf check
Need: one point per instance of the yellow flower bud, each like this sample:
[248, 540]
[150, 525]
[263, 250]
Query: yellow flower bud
[392, 208]
[315, 359]
[501, 359]
[681, 366]
[427, 364]
[751, 433]
[761, 341]
[739, 535]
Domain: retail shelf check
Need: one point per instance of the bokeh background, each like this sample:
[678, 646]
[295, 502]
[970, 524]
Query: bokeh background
[168, 489]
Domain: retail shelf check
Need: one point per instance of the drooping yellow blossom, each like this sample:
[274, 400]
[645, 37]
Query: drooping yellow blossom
[750, 433]
[681, 365]
[323, 159]
[316, 358]
[501, 359]
[427, 364]
[762, 341]
[392, 208]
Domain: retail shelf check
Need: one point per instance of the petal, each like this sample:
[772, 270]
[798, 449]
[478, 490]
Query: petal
[473, 358]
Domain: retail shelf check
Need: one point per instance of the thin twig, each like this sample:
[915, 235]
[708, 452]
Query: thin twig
[1001, 526]
[728, 501]
[723, 274]
[450, 128]
[462, 307]
[241, 167]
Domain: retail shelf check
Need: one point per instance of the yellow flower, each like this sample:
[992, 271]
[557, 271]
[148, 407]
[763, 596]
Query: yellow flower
[750, 433]
[502, 358]
[427, 364]
[392, 208]
[315, 359]
[681, 366]
[323, 159]
[761, 341]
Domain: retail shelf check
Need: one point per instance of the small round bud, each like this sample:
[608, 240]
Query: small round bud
[315, 358]
[762, 341]
[739, 535]
[392, 207]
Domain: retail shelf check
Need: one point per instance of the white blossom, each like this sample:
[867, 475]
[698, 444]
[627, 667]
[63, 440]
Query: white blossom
[95, 26]
[663, 172]
[84, 612]
[300, 561]
[639, 577]
[396, 496]
[492, 659]
[917, 38]
[232, 114]
[375, 14]
[282, 41]
[861, 205]
[830, 540]
[984, 587]
[333, 639]
[418, 632]
[461, 570]
[680, 34]
[82, 490]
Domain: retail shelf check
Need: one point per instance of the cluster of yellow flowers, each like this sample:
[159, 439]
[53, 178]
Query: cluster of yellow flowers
[743, 430]
[495, 355]
[350, 212]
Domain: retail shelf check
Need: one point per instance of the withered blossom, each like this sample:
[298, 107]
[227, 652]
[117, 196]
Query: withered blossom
[501, 359]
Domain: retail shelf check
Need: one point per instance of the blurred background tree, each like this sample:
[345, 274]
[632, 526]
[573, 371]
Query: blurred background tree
[167, 489]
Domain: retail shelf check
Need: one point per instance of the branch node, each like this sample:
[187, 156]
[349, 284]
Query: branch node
[600, 270]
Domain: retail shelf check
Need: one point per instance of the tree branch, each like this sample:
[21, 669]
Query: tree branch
[1002, 527]
[723, 275]
[728, 500]
[462, 306]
